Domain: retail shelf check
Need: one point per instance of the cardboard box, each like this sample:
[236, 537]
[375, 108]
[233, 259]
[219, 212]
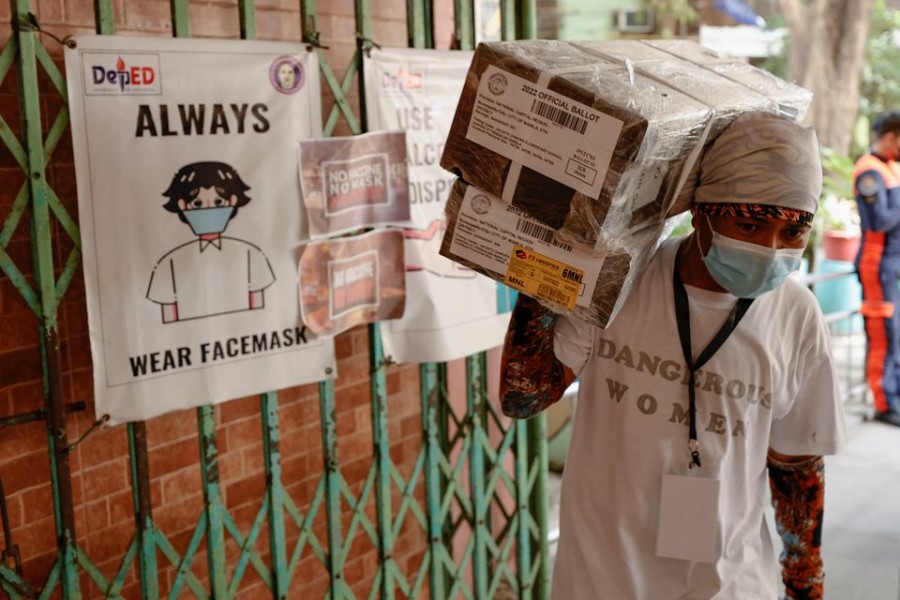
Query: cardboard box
[728, 87]
[503, 242]
[592, 145]
[792, 101]
[577, 140]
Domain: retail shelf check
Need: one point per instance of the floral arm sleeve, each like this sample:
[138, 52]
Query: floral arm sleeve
[531, 377]
[798, 495]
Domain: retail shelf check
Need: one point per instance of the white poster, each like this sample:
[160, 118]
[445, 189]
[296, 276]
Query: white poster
[451, 311]
[190, 213]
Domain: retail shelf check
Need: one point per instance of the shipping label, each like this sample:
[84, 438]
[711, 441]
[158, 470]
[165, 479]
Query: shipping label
[542, 277]
[545, 131]
[488, 232]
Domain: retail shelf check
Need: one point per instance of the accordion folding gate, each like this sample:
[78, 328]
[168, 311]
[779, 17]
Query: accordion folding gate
[476, 490]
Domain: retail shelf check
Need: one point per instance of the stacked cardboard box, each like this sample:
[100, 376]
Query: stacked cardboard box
[580, 151]
[791, 101]
[727, 86]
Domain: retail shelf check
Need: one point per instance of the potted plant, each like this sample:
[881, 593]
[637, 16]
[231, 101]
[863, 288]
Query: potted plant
[838, 216]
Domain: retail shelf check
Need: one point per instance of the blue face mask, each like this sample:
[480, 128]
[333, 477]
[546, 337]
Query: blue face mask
[749, 270]
[204, 221]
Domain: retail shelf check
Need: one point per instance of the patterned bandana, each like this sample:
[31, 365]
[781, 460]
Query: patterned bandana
[755, 211]
[762, 159]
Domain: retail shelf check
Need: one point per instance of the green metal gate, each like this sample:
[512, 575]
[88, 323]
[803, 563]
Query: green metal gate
[503, 542]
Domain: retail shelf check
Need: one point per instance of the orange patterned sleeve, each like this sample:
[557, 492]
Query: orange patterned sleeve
[531, 377]
[798, 495]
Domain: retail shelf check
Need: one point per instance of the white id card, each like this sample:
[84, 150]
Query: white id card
[689, 519]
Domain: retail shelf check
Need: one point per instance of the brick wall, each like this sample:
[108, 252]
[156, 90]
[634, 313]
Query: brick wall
[100, 465]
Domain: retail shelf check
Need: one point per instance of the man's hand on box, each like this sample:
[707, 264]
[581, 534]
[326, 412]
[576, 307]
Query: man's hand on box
[531, 377]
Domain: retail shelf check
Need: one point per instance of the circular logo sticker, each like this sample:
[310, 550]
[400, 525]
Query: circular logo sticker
[286, 74]
[867, 185]
[497, 83]
[481, 204]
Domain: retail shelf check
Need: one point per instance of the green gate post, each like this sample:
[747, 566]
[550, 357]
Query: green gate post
[42, 253]
[212, 496]
[143, 517]
[328, 416]
[464, 17]
[272, 457]
[476, 393]
[434, 491]
[206, 421]
[476, 388]
[103, 17]
[339, 89]
[327, 406]
[523, 538]
[378, 381]
[247, 9]
[420, 35]
[508, 21]
[180, 23]
[60, 473]
[537, 444]
[382, 457]
[145, 533]
[419, 25]
[268, 404]
[526, 28]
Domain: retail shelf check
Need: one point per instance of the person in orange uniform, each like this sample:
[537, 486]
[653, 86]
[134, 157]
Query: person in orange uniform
[876, 184]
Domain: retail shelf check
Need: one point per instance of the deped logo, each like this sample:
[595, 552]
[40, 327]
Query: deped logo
[129, 75]
[404, 79]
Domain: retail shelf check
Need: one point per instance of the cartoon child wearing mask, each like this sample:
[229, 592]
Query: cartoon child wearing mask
[213, 274]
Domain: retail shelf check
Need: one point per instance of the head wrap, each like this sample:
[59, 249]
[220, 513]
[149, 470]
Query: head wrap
[755, 211]
[762, 159]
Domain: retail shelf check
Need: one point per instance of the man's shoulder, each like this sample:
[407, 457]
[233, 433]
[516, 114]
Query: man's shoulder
[870, 170]
[869, 161]
[795, 285]
[794, 298]
[661, 262]
[666, 251]
[869, 182]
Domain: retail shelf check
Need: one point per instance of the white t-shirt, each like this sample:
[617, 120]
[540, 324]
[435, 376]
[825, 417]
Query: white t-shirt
[772, 384]
[208, 278]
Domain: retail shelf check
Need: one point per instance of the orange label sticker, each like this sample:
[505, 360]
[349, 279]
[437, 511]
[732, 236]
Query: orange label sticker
[544, 278]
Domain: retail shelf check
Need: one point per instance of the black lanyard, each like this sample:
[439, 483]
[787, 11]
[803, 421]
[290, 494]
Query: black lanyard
[683, 316]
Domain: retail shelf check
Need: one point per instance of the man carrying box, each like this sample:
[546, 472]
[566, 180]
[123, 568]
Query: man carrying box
[715, 376]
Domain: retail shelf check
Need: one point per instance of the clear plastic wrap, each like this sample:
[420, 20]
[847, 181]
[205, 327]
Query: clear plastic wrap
[725, 97]
[792, 101]
[660, 130]
[582, 150]
[488, 235]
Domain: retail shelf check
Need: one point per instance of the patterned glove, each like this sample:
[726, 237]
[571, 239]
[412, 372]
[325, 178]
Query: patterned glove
[798, 495]
[531, 377]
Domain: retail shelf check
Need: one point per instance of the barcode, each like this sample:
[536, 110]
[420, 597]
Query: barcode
[545, 234]
[561, 117]
[553, 295]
